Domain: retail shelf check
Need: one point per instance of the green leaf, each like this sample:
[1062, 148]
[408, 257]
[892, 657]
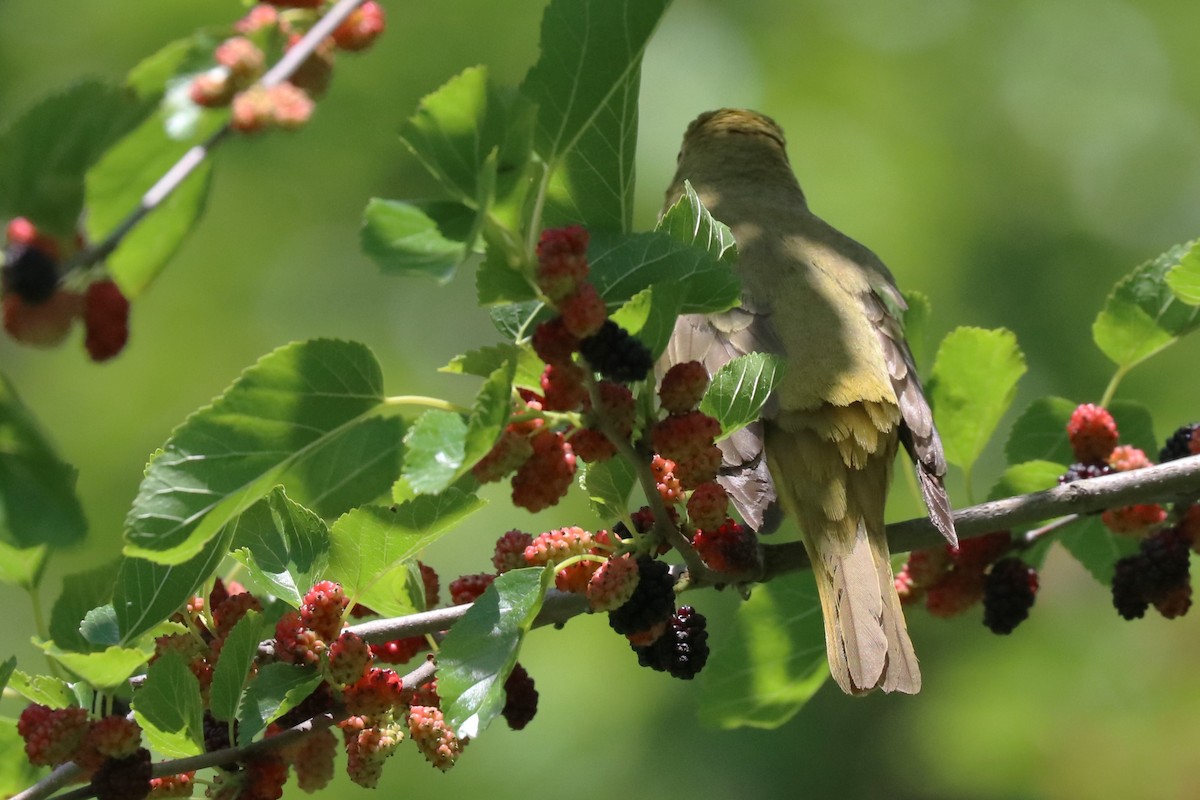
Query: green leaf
[767, 667]
[100, 627]
[590, 51]
[608, 485]
[1097, 548]
[356, 466]
[6, 671]
[515, 320]
[650, 316]
[480, 650]
[372, 541]
[38, 504]
[45, 152]
[436, 447]
[44, 689]
[1184, 277]
[16, 773]
[499, 278]
[148, 592]
[622, 266]
[169, 708]
[284, 546]
[1142, 314]
[81, 593]
[105, 669]
[1040, 433]
[23, 567]
[1026, 478]
[688, 221]
[486, 360]
[118, 182]
[489, 414]
[292, 406]
[402, 239]
[737, 393]
[973, 383]
[277, 689]
[232, 672]
[916, 324]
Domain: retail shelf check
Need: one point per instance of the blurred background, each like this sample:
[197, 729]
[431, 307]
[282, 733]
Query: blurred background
[1010, 160]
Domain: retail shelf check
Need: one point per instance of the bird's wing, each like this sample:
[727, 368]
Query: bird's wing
[715, 340]
[883, 306]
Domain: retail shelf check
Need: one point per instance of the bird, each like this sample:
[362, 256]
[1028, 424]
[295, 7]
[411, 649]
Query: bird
[823, 449]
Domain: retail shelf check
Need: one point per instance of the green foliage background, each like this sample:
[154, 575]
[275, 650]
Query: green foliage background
[1011, 161]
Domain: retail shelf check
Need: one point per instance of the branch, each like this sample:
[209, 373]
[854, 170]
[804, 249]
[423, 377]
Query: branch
[194, 157]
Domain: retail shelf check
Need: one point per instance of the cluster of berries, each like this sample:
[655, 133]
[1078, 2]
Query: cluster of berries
[39, 308]
[542, 457]
[241, 61]
[1159, 574]
[1094, 439]
[951, 580]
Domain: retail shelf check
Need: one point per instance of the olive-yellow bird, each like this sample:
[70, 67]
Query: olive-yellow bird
[824, 448]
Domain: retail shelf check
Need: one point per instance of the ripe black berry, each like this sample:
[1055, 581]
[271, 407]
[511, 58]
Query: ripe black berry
[1166, 564]
[615, 354]
[682, 650]
[123, 778]
[521, 698]
[30, 273]
[652, 602]
[1182, 443]
[1077, 472]
[1127, 594]
[1008, 594]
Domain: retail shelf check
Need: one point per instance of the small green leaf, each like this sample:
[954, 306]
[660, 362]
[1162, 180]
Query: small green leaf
[284, 546]
[1184, 277]
[100, 627]
[608, 485]
[516, 320]
[737, 393]
[436, 448]
[489, 415]
[105, 669]
[371, 541]
[1040, 433]
[1097, 548]
[499, 278]
[486, 360]
[81, 593]
[973, 383]
[276, 690]
[44, 689]
[290, 407]
[1026, 478]
[773, 660]
[688, 221]
[402, 238]
[1142, 314]
[480, 650]
[38, 504]
[623, 265]
[916, 324]
[147, 592]
[232, 672]
[169, 704]
[650, 316]
[23, 567]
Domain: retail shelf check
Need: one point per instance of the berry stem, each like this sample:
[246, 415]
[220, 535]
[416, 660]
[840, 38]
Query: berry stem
[1035, 535]
[424, 402]
[1111, 389]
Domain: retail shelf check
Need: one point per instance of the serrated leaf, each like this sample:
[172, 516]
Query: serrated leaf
[82, 593]
[515, 320]
[489, 414]
[738, 392]
[650, 316]
[45, 152]
[284, 546]
[916, 324]
[44, 689]
[435, 451]
[38, 504]
[1142, 314]
[1040, 433]
[1026, 478]
[118, 182]
[1184, 277]
[688, 221]
[232, 672]
[479, 651]
[403, 239]
[276, 690]
[356, 466]
[100, 627]
[973, 383]
[147, 593]
[499, 278]
[371, 541]
[766, 668]
[622, 266]
[1096, 547]
[608, 485]
[288, 408]
[486, 360]
[169, 708]
[105, 669]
